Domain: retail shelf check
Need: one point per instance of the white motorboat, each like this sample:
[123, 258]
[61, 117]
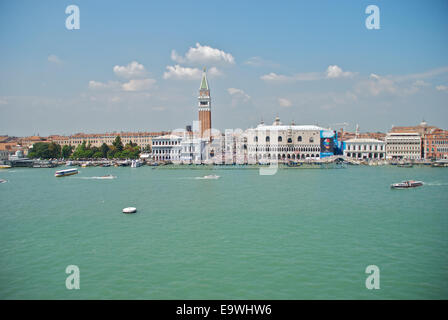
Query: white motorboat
[406, 184]
[3, 180]
[129, 210]
[212, 176]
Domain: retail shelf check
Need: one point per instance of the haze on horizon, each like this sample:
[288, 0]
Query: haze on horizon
[136, 65]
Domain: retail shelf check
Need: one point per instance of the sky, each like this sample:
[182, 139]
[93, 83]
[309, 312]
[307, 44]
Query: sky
[136, 65]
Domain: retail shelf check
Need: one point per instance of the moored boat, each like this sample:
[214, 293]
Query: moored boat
[405, 165]
[129, 210]
[406, 184]
[66, 172]
[5, 166]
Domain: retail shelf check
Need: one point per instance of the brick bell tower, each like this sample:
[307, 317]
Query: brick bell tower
[204, 104]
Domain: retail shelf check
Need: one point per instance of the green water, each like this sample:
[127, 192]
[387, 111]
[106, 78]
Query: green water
[299, 234]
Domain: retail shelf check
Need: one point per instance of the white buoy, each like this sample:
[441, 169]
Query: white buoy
[129, 210]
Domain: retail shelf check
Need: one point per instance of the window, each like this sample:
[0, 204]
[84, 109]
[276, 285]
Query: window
[289, 140]
[280, 139]
[311, 140]
[299, 139]
[268, 139]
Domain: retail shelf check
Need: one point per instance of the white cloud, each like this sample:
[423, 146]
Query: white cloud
[98, 85]
[421, 83]
[376, 85]
[284, 102]
[238, 96]
[422, 75]
[238, 92]
[442, 88]
[275, 77]
[132, 71]
[336, 72]
[260, 62]
[185, 73]
[203, 55]
[54, 59]
[332, 72]
[138, 84]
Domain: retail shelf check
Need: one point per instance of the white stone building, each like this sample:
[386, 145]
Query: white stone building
[192, 150]
[400, 145]
[286, 142]
[166, 148]
[370, 149]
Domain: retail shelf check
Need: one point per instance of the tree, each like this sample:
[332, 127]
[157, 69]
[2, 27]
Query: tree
[82, 152]
[104, 150]
[45, 150]
[66, 151]
[118, 144]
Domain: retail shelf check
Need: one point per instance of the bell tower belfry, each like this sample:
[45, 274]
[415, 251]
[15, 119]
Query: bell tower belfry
[204, 105]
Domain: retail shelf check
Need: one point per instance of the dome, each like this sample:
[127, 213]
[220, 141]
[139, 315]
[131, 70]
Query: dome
[277, 121]
[423, 124]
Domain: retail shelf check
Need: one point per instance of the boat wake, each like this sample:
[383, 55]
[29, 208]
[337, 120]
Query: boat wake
[436, 184]
[99, 178]
[211, 177]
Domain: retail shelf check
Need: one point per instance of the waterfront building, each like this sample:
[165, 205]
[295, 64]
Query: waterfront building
[403, 145]
[142, 139]
[367, 149]
[204, 105]
[288, 142]
[421, 129]
[4, 155]
[192, 150]
[166, 148]
[435, 144]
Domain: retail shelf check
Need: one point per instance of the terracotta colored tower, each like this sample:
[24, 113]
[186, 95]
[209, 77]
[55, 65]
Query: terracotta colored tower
[204, 104]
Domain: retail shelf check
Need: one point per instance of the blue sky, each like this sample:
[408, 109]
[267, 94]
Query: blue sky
[134, 65]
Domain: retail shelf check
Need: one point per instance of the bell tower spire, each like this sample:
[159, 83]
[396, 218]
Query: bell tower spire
[204, 105]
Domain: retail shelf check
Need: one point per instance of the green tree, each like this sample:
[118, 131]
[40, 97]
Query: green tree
[104, 150]
[118, 144]
[98, 154]
[82, 152]
[45, 150]
[66, 151]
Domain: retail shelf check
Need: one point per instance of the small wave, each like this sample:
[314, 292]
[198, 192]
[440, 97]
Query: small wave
[98, 178]
[436, 184]
[207, 178]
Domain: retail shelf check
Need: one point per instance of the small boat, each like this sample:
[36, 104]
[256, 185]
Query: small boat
[406, 184]
[5, 166]
[3, 180]
[66, 172]
[211, 177]
[129, 210]
[136, 164]
[405, 165]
